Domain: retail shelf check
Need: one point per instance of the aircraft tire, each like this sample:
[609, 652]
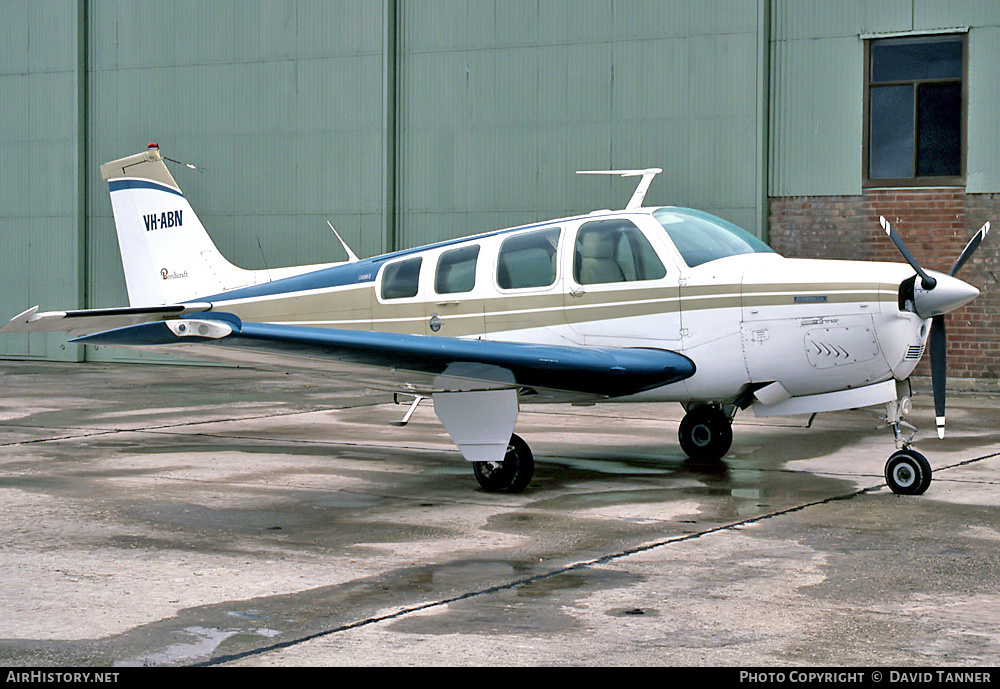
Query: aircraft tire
[908, 473]
[512, 475]
[705, 433]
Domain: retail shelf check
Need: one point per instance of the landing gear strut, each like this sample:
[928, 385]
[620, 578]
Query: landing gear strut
[512, 474]
[907, 472]
[706, 433]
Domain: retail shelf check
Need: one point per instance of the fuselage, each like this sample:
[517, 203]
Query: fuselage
[665, 278]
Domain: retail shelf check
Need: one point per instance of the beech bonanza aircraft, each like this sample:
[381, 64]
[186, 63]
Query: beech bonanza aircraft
[636, 305]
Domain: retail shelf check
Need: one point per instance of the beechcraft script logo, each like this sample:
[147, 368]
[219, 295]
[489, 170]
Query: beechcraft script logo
[162, 221]
[172, 275]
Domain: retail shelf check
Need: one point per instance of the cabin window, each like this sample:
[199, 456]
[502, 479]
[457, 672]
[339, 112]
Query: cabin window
[400, 280]
[456, 270]
[614, 251]
[528, 260]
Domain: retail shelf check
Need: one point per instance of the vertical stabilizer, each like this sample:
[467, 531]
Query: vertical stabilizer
[167, 255]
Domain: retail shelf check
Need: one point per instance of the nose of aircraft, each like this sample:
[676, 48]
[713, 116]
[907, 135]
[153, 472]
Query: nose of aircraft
[947, 295]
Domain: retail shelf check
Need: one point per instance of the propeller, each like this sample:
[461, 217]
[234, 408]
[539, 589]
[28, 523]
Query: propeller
[973, 244]
[939, 294]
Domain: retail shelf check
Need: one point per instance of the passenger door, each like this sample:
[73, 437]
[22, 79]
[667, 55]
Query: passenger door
[528, 297]
[619, 290]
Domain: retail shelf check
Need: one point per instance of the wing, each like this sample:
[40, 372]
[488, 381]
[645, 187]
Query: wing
[476, 384]
[412, 363]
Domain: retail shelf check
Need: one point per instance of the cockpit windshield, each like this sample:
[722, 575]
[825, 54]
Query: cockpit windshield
[701, 237]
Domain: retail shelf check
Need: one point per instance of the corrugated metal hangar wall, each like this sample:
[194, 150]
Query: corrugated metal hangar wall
[408, 121]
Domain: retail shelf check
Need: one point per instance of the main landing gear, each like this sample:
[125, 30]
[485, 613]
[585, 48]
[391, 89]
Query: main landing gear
[706, 433]
[512, 474]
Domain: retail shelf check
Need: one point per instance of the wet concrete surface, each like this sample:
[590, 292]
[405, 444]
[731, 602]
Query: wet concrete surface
[174, 515]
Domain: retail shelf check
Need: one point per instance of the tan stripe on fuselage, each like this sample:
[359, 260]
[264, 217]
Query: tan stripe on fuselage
[356, 307]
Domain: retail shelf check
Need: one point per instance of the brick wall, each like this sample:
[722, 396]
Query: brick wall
[935, 224]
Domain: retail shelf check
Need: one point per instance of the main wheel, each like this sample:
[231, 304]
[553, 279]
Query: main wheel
[512, 474]
[705, 433]
[908, 473]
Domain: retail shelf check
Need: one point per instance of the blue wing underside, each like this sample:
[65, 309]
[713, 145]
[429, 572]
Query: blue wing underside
[415, 364]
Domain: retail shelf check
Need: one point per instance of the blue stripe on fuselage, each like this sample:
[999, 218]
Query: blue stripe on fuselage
[361, 271]
[334, 276]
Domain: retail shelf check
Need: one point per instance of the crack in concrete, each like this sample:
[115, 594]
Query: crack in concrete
[578, 566]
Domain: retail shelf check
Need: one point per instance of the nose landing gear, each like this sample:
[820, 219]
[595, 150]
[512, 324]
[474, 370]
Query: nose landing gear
[907, 472]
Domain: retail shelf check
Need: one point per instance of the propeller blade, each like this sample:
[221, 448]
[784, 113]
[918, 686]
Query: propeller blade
[970, 248]
[939, 369]
[926, 280]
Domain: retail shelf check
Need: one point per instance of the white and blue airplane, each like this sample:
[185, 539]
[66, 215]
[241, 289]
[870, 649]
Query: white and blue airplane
[643, 304]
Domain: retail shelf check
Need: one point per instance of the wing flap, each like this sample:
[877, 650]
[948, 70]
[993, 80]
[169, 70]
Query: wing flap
[444, 361]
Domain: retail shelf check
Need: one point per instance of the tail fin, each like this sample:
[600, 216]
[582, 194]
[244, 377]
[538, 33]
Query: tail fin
[167, 255]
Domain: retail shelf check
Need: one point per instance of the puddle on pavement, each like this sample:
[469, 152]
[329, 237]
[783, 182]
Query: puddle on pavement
[198, 642]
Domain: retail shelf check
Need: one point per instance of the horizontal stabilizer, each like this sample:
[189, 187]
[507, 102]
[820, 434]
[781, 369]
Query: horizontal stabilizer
[87, 321]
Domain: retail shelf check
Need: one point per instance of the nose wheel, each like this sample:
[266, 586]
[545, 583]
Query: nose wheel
[705, 433]
[908, 472]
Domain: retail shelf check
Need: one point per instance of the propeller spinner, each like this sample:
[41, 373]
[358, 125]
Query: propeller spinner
[936, 295]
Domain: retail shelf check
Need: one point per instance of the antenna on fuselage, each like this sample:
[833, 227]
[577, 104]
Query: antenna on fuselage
[640, 191]
[351, 257]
